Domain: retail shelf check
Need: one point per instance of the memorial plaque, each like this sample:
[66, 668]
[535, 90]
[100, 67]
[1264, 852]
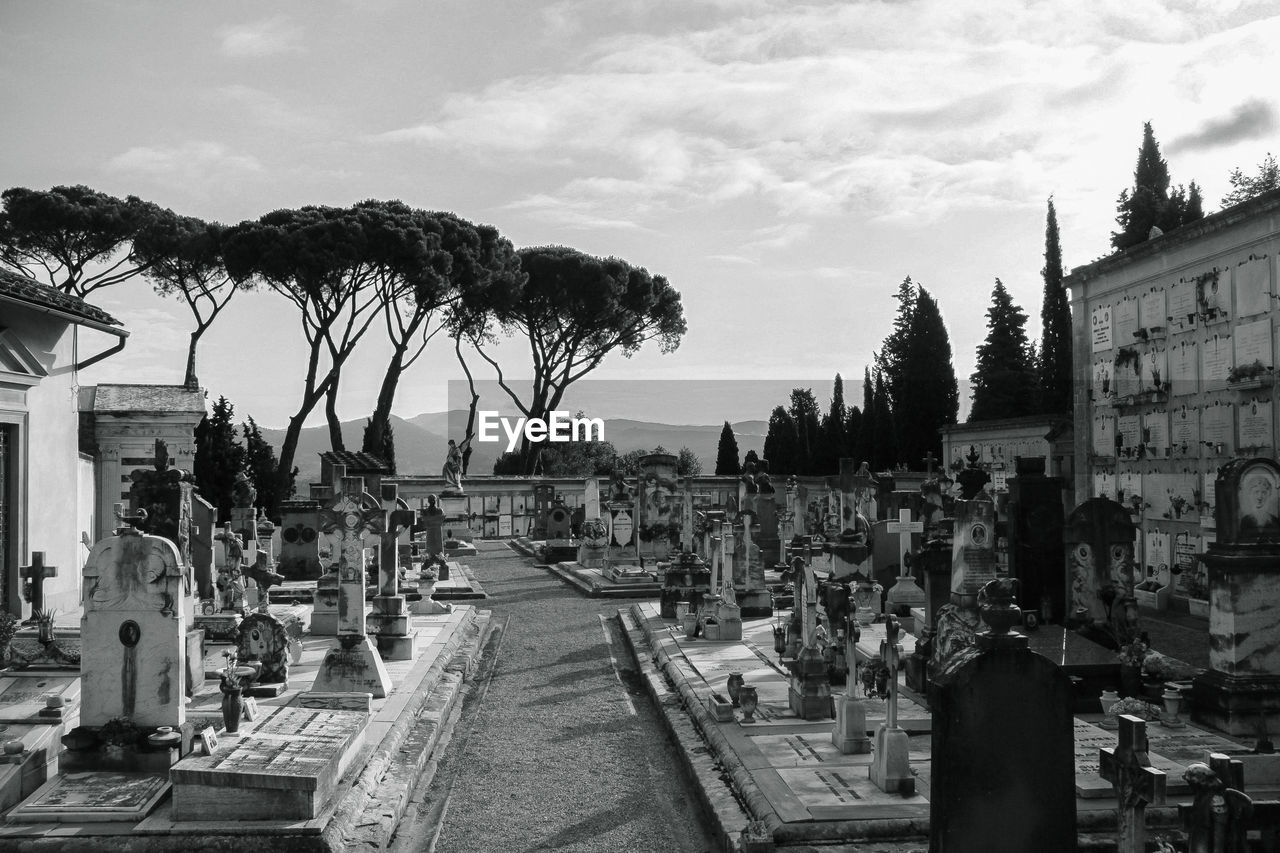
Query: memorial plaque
[1155, 369]
[1217, 421]
[1253, 343]
[1129, 428]
[1101, 320]
[1215, 362]
[1182, 305]
[1089, 739]
[1184, 367]
[1154, 311]
[1185, 428]
[94, 796]
[1104, 435]
[973, 558]
[1129, 483]
[1104, 484]
[1185, 548]
[1101, 379]
[1155, 433]
[1253, 287]
[286, 767]
[1124, 319]
[1255, 424]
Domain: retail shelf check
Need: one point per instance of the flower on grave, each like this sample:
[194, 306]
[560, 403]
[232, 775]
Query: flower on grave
[230, 680]
[119, 732]
[1166, 668]
[1134, 708]
[1133, 653]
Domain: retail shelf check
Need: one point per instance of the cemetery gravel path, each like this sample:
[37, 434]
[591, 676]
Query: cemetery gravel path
[558, 746]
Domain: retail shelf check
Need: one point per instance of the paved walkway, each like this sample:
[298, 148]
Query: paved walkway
[565, 752]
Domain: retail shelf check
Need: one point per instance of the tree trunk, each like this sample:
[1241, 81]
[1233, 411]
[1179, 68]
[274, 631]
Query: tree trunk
[189, 381]
[381, 418]
[331, 414]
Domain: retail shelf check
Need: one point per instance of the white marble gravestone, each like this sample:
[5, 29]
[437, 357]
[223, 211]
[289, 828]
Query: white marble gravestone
[353, 665]
[133, 632]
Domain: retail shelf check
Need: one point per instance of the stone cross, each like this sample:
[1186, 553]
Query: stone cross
[1137, 783]
[352, 514]
[929, 461]
[809, 625]
[904, 527]
[726, 548]
[686, 517]
[33, 581]
[890, 650]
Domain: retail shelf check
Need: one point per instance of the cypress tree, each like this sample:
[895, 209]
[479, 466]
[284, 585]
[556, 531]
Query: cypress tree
[804, 414]
[1055, 326]
[727, 453]
[273, 486]
[219, 457]
[780, 443]
[884, 449]
[834, 443]
[928, 395]
[1004, 384]
[865, 449]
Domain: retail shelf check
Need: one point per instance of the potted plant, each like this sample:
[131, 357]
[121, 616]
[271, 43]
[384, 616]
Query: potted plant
[8, 627]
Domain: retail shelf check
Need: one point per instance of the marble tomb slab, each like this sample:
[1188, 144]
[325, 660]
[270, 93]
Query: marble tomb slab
[92, 796]
[1168, 752]
[22, 696]
[285, 767]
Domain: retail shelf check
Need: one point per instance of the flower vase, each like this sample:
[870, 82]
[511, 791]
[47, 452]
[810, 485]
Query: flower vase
[734, 685]
[232, 709]
[1172, 699]
[1108, 699]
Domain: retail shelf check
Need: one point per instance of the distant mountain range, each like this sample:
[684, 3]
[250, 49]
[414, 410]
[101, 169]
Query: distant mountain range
[422, 441]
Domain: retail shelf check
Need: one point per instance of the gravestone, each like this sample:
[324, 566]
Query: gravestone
[165, 494]
[1036, 555]
[543, 496]
[262, 637]
[431, 517]
[1099, 539]
[389, 621]
[849, 734]
[973, 565]
[622, 526]
[905, 593]
[1240, 692]
[133, 632]
[890, 768]
[1128, 768]
[809, 687]
[353, 665]
[299, 540]
[33, 578]
[203, 523]
[1003, 771]
[559, 547]
[656, 506]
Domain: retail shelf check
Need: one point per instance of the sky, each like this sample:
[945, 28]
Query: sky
[785, 165]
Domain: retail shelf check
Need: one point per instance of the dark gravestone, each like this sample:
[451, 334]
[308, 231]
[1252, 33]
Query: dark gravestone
[1037, 557]
[203, 522]
[543, 494]
[1003, 778]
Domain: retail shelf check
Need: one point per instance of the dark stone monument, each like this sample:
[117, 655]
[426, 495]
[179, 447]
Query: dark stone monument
[1003, 777]
[1240, 693]
[1035, 540]
[1099, 541]
[1128, 768]
[543, 495]
[299, 540]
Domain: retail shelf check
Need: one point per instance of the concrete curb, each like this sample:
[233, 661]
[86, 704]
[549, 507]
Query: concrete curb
[717, 797]
[388, 779]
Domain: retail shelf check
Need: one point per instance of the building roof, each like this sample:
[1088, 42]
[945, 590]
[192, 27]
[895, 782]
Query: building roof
[147, 398]
[356, 461]
[1268, 202]
[28, 291]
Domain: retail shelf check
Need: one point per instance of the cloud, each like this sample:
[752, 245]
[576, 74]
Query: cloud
[192, 165]
[267, 37]
[1249, 120]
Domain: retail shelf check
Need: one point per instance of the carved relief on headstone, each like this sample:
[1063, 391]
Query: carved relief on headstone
[1099, 538]
[261, 637]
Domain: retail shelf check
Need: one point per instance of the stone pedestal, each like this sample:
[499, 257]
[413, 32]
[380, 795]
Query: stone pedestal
[389, 623]
[324, 615]
[849, 734]
[1240, 694]
[890, 770]
[353, 666]
[809, 691]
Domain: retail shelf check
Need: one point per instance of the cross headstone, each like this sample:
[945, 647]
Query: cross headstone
[891, 767]
[904, 527]
[929, 460]
[33, 577]
[1128, 768]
